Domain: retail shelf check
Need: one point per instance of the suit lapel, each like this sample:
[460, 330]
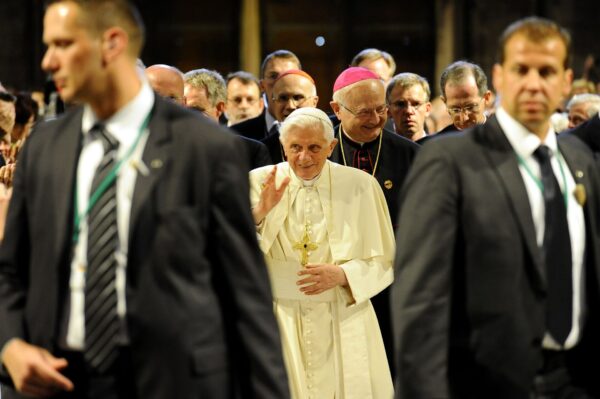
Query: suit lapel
[156, 157]
[504, 161]
[574, 163]
[68, 140]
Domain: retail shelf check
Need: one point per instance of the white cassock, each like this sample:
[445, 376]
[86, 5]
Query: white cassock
[332, 344]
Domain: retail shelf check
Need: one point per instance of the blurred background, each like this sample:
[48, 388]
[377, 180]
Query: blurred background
[423, 36]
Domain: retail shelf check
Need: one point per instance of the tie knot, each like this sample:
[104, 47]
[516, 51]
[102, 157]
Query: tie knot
[274, 129]
[543, 154]
[109, 142]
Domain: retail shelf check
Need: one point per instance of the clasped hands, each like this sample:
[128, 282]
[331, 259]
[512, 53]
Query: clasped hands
[321, 277]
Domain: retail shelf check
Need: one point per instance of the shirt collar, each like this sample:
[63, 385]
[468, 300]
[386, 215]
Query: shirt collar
[522, 140]
[125, 121]
[269, 119]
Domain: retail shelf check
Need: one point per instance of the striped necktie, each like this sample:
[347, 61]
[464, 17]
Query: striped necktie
[101, 320]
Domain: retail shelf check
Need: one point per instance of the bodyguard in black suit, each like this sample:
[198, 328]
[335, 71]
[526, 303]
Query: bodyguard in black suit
[185, 305]
[496, 289]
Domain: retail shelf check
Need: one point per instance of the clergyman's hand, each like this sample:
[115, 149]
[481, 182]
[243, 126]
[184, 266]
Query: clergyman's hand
[269, 196]
[321, 278]
[34, 371]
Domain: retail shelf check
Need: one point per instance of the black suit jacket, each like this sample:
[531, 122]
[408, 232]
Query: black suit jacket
[198, 297]
[258, 153]
[448, 129]
[254, 128]
[468, 300]
[274, 148]
[397, 154]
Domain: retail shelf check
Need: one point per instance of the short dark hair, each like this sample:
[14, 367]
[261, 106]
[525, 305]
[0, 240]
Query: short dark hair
[537, 30]
[458, 71]
[283, 54]
[407, 80]
[100, 15]
[373, 54]
[245, 77]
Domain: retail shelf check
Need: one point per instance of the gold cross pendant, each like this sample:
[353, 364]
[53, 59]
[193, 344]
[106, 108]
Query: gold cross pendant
[304, 246]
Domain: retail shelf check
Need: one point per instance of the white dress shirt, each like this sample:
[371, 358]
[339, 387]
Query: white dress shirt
[525, 143]
[124, 126]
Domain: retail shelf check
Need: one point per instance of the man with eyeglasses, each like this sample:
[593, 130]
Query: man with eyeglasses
[293, 89]
[364, 143]
[273, 65]
[167, 81]
[243, 97]
[407, 96]
[465, 92]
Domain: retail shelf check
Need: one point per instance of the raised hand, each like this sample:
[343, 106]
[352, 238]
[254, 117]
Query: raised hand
[269, 196]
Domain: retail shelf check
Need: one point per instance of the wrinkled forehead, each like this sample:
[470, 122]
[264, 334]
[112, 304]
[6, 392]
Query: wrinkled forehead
[365, 92]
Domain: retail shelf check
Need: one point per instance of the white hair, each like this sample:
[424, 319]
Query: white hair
[592, 100]
[307, 117]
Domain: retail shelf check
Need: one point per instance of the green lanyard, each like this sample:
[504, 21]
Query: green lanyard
[539, 183]
[104, 184]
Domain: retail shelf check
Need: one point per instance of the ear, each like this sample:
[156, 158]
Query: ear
[486, 98]
[332, 146]
[335, 107]
[315, 101]
[220, 107]
[114, 43]
[568, 82]
[261, 104]
[427, 108]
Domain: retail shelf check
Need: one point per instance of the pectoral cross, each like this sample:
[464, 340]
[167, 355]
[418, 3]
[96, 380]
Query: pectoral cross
[304, 246]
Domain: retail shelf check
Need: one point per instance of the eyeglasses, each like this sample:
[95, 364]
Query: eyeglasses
[296, 99]
[365, 113]
[466, 109]
[403, 105]
[6, 96]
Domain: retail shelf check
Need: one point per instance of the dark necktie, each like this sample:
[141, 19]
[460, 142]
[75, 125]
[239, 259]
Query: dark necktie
[273, 130]
[557, 252]
[101, 320]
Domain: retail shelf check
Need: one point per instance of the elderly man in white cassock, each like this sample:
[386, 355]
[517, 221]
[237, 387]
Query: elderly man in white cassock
[326, 234]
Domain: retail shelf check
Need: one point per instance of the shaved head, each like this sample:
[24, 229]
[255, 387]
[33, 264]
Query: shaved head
[167, 81]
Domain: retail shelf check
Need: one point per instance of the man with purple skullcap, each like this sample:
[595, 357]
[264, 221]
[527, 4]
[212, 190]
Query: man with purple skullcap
[364, 143]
